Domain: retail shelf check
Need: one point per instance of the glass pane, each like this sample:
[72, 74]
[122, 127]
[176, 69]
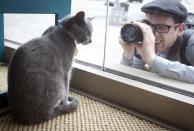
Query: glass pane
[94, 52]
[125, 12]
[120, 13]
[20, 28]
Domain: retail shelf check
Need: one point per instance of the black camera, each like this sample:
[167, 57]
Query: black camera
[131, 33]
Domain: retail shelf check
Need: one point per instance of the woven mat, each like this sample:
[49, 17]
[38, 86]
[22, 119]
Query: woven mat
[90, 116]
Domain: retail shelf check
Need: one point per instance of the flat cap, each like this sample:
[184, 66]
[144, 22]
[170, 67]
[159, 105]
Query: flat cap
[170, 7]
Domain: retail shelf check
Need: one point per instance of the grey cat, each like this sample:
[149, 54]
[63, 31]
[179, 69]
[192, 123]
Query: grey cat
[39, 72]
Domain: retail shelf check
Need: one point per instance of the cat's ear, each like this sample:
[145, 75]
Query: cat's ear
[90, 18]
[80, 16]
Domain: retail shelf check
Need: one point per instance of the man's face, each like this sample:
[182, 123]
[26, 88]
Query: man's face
[165, 38]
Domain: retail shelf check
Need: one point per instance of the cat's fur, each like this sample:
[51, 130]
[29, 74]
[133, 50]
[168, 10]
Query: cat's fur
[39, 72]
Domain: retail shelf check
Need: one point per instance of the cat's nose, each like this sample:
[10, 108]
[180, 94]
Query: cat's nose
[90, 41]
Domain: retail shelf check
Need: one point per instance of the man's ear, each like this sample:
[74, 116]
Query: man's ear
[181, 29]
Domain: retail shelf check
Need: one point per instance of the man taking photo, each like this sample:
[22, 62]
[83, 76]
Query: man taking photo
[169, 49]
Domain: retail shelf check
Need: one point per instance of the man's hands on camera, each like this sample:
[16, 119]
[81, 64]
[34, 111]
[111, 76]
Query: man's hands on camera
[128, 49]
[146, 49]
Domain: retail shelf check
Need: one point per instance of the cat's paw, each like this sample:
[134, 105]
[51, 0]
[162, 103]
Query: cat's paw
[73, 102]
[67, 106]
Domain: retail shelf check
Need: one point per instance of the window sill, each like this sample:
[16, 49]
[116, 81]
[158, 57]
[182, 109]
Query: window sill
[155, 79]
[162, 106]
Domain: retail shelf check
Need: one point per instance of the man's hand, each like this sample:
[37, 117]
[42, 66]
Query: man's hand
[128, 49]
[147, 49]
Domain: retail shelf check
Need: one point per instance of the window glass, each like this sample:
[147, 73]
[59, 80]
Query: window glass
[125, 12]
[118, 13]
[105, 50]
[20, 28]
[94, 52]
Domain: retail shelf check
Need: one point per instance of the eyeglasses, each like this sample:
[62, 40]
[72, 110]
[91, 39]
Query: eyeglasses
[161, 28]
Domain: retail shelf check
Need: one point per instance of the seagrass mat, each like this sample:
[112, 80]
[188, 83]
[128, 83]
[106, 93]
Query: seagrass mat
[91, 115]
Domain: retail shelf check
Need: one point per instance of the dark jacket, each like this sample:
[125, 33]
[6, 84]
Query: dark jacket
[183, 49]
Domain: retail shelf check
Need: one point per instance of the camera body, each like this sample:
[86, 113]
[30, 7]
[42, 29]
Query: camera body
[131, 33]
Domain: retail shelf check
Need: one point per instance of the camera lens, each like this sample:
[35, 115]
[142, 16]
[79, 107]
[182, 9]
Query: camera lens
[131, 33]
